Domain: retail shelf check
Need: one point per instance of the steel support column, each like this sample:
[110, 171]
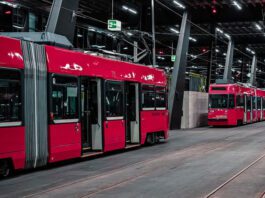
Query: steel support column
[175, 100]
[212, 44]
[153, 32]
[62, 18]
[229, 62]
[253, 71]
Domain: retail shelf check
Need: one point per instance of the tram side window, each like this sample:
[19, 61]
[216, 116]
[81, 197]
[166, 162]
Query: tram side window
[263, 103]
[161, 98]
[114, 99]
[258, 103]
[10, 96]
[231, 103]
[148, 96]
[254, 101]
[248, 103]
[64, 98]
[239, 101]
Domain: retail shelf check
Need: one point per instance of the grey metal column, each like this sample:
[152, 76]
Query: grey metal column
[153, 32]
[229, 62]
[62, 18]
[212, 45]
[242, 70]
[175, 100]
[253, 71]
[135, 51]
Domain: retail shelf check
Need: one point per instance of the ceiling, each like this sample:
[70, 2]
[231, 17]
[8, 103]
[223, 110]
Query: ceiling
[241, 25]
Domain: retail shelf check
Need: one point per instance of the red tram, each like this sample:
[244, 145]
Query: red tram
[58, 104]
[235, 104]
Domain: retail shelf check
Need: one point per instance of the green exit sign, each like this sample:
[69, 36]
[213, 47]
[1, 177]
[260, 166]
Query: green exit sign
[173, 58]
[114, 25]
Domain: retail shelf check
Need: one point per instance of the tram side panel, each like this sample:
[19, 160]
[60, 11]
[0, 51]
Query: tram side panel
[12, 132]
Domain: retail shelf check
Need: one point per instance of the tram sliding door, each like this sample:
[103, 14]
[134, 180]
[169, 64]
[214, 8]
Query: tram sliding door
[91, 120]
[132, 113]
[114, 119]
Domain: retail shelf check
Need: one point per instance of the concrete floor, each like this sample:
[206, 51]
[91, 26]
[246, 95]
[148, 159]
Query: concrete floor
[193, 163]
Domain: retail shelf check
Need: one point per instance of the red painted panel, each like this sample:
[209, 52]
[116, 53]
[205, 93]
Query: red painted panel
[153, 121]
[64, 141]
[78, 63]
[10, 53]
[114, 135]
[219, 117]
[12, 145]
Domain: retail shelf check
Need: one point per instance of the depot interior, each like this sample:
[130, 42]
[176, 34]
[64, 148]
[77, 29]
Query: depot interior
[156, 40]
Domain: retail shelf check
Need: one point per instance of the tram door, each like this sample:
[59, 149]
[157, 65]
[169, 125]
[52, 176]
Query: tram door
[132, 113]
[91, 120]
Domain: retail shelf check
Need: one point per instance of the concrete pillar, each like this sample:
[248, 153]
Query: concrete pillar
[229, 62]
[177, 87]
[62, 18]
[253, 71]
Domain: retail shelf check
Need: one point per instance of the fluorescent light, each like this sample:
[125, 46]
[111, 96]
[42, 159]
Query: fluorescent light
[220, 65]
[193, 39]
[79, 35]
[258, 26]
[129, 33]
[161, 58]
[219, 30]
[18, 27]
[227, 36]
[251, 51]
[91, 29]
[98, 46]
[125, 48]
[129, 9]
[240, 61]
[217, 50]
[193, 56]
[174, 30]
[179, 4]
[9, 4]
[237, 5]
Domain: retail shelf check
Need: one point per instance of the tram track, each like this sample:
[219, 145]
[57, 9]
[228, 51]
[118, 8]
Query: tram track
[220, 187]
[190, 150]
[216, 144]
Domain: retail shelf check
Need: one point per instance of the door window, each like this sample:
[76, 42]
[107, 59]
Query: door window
[114, 99]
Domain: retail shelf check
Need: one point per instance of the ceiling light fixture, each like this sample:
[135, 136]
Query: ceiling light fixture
[192, 39]
[219, 30]
[251, 51]
[9, 4]
[129, 9]
[129, 34]
[179, 4]
[258, 26]
[227, 36]
[237, 5]
[174, 30]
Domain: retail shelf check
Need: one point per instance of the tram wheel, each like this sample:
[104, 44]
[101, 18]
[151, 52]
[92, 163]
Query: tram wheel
[150, 139]
[5, 169]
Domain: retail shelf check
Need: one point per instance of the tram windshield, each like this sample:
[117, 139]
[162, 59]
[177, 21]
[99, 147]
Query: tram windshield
[222, 101]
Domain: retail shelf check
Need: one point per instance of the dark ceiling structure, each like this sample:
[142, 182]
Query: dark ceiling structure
[243, 22]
